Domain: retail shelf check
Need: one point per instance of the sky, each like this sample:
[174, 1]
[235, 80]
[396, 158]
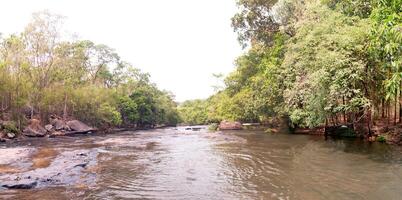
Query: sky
[181, 43]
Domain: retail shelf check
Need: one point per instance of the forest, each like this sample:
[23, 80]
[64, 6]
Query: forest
[314, 62]
[43, 74]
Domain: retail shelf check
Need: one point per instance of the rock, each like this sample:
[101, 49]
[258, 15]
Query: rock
[11, 135]
[2, 137]
[22, 185]
[49, 127]
[79, 127]
[34, 129]
[226, 125]
[59, 124]
[2, 134]
[372, 138]
[58, 133]
[66, 169]
[83, 165]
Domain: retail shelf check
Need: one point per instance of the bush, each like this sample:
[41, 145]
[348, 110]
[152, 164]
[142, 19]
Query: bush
[10, 127]
[213, 127]
[381, 138]
[109, 114]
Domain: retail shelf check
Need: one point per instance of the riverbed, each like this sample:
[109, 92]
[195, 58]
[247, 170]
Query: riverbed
[175, 163]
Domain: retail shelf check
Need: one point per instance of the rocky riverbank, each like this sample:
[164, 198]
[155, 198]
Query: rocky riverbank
[56, 127]
[26, 168]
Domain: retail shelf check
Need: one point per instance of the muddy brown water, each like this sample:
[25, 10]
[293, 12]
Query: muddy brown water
[179, 164]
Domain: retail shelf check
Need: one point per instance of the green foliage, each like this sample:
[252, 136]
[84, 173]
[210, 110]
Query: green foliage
[9, 127]
[42, 75]
[381, 138]
[385, 44]
[254, 22]
[315, 62]
[109, 115]
[194, 112]
[360, 8]
[129, 110]
[213, 126]
[323, 64]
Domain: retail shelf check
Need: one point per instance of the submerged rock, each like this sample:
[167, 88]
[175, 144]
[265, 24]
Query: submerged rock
[67, 168]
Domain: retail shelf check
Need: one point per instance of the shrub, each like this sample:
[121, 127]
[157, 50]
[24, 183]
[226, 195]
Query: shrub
[213, 127]
[10, 127]
[381, 138]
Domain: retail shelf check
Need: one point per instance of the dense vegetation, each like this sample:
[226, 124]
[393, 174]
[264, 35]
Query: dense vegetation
[316, 62]
[41, 74]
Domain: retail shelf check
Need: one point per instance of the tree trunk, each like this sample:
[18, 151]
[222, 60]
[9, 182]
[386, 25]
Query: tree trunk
[369, 121]
[400, 105]
[388, 115]
[395, 107]
[65, 107]
[344, 112]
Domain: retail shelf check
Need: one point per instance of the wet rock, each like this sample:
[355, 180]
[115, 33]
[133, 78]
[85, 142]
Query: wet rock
[34, 129]
[226, 125]
[22, 185]
[79, 127]
[58, 133]
[83, 165]
[67, 169]
[49, 127]
[12, 155]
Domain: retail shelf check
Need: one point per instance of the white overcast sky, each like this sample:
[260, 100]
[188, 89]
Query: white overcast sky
[179, 42]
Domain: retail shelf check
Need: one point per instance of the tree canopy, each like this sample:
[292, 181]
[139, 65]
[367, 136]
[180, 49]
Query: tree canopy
[41, 75]
[316, 62]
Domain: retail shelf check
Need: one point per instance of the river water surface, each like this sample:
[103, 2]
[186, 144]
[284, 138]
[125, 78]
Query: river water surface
[178, 164]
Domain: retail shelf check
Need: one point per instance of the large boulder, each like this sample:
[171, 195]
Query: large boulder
[79, 127]
[34, 129]
[226, 125]
[59, 124]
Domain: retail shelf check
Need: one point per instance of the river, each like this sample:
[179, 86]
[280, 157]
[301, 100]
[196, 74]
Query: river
[178, 164]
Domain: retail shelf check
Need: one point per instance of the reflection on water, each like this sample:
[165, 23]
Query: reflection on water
[169, 164]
